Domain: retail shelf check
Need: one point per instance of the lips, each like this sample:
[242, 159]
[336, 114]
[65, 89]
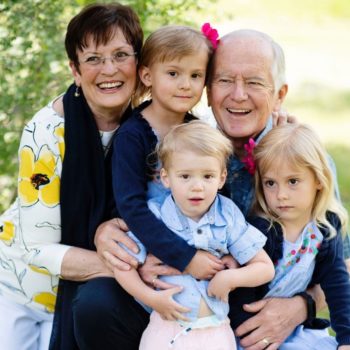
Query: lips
[285, 207]
[196, 200]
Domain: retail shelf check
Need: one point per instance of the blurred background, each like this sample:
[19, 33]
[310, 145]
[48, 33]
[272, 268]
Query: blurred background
[314, 35]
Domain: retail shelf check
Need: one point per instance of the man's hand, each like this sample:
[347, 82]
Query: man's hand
[275, 320]
[282, 117]
[204, 265]
[152, 268]
[107, 237]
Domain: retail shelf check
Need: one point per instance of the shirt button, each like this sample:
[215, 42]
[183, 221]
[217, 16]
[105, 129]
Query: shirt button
[199, 231]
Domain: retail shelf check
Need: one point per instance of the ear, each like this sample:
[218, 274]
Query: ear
[281, 95]
[145, 76]
[164, 178]
[75, 73]
[222, 178]
[318, 185]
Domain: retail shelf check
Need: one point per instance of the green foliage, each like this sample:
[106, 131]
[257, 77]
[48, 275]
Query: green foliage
[33, 63]
[32, 71]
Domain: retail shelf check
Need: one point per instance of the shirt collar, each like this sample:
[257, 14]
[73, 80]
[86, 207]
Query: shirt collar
[175, 219]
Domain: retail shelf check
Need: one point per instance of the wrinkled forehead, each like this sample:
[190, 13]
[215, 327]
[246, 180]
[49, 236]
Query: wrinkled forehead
[247, 53]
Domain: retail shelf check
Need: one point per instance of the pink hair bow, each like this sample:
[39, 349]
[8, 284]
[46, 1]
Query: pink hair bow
[248, 160]
[211, 33]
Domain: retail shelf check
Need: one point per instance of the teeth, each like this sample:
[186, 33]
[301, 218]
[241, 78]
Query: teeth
[110, 85]
[238, 110]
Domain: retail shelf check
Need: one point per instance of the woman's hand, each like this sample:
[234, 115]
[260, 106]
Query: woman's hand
[107, 237]
[152, 269]
[275, 320]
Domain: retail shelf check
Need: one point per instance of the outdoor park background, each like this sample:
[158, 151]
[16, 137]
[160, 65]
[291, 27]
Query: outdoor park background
[314, 35]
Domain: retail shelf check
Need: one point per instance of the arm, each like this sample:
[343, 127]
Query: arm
[129, 166]
[81, 265]
[257, 271]
[40, 163]
[332, 274]
[160, 301]
[346, 242]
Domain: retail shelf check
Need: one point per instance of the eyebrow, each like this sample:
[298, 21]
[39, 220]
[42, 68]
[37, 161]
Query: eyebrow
[116, 49]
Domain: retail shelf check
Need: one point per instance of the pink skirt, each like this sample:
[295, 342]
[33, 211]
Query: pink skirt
[159, 335]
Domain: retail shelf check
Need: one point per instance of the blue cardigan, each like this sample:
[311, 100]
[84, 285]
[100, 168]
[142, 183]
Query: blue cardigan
[133, 145]
[330, 272]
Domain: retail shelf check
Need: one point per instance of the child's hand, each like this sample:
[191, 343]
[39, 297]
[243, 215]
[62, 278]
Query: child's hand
[204, 265]
[220, 286]
[167, 307]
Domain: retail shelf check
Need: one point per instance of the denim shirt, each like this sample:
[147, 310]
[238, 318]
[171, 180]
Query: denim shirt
[222, 230]
[239, 183]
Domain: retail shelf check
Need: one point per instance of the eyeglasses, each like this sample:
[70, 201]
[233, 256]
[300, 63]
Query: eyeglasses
[117, 57]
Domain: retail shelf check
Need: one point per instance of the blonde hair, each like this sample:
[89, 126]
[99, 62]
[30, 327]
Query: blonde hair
[165, 44]
[198, 137]
[299, 145]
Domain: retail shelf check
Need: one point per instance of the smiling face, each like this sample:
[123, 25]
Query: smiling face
[194, 181]
[177, 85]
[242, 93]
[109, 86]
[290, 193]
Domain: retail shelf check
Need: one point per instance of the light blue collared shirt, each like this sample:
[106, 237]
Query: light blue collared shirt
[222, 230]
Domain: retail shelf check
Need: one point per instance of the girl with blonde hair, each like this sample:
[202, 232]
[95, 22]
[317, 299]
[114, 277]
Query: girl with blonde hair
[304, 222]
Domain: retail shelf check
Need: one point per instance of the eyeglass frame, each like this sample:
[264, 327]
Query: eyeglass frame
[114, 59]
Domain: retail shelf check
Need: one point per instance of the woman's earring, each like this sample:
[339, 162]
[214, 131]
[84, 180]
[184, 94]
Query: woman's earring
[77, 92]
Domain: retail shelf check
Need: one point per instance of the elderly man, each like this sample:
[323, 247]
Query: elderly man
[246, 87]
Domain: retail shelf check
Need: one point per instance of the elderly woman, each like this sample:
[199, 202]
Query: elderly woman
[64, 183]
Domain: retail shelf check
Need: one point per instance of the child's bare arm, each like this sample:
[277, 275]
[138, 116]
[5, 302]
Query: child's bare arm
[257, 271]
[160, 301]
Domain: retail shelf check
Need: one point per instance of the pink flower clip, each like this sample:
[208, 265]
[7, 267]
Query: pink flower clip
[211, 33]
[248, 159]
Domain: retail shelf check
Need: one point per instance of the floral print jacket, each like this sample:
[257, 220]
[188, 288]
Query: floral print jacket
[30, 230]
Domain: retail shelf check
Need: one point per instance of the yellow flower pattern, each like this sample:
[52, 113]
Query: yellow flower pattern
[37, 180]
[7, 232]
[59, 133]
[30, 228]
[46, 299]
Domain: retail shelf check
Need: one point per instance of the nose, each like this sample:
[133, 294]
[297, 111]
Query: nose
[197, 185]
[184, 83]
[238, 91]
[282, 193]
[109, 65]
